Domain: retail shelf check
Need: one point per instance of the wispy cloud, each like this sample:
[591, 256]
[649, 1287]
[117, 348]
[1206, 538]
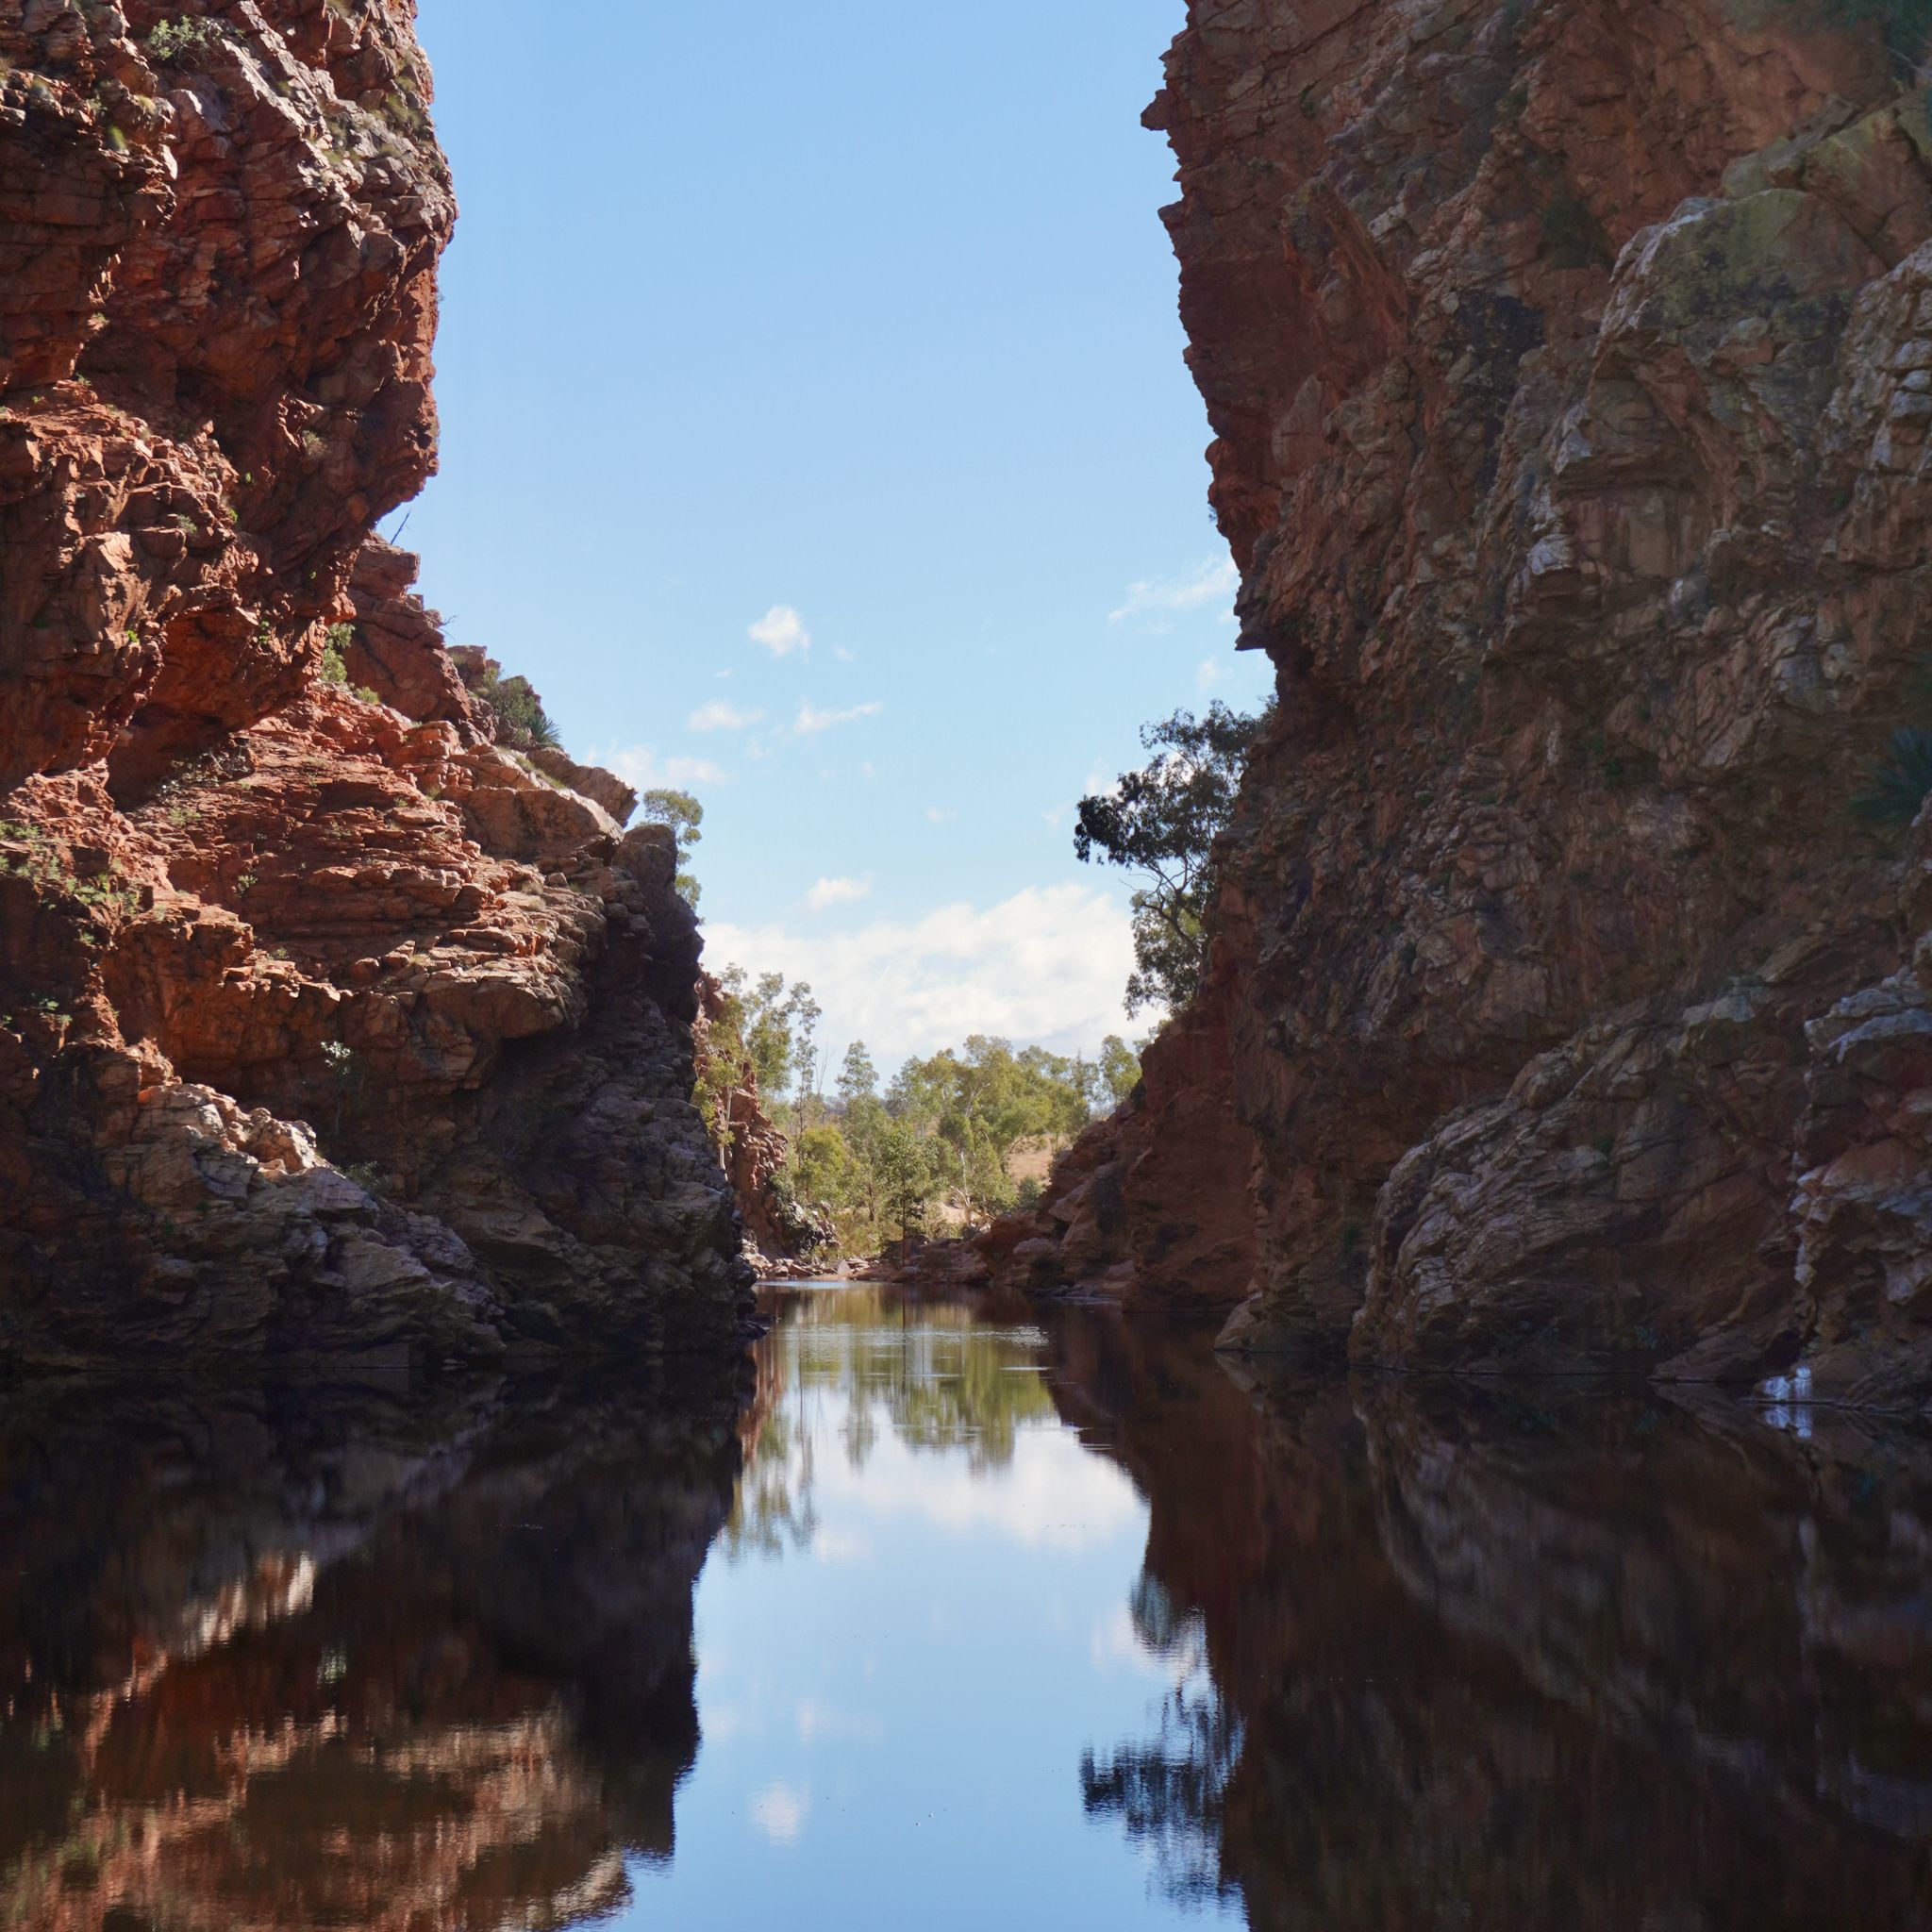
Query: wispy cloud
[1211, 675]
[1047, 965]
[843, 655]
[942, 814]
[719, 716]
[639, 765]
[781, 1810]
[782, 630]
[1159, 597]
[811, 719]
[829, 892]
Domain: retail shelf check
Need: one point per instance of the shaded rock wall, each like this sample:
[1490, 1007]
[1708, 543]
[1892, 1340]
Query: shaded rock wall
[1571, 368]
[1151, 1206]
[327, 1026]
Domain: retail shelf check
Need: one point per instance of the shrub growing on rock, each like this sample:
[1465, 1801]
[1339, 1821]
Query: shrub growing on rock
[522, 722]
[1900, 782]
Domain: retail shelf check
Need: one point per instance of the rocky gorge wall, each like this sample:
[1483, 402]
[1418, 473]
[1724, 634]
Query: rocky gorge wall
[1570, 363]
[329, 1027]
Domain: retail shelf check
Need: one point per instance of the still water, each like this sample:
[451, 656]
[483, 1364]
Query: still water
[928, 1618]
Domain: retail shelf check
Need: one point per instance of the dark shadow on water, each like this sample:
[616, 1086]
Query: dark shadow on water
[1521, 1656]
[350, 1655]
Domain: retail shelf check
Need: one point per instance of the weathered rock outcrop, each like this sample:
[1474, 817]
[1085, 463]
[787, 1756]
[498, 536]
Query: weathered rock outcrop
[1150, 1207]
[1571, 366]
[327, 1026]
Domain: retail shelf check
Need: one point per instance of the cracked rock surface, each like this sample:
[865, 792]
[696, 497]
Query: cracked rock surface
[1570, 365]
[329, 1027]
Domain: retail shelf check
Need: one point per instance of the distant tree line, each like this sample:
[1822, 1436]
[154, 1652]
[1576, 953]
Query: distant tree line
[881, 1163]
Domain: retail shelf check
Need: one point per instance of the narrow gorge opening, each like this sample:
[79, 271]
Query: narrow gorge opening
[907, 1184]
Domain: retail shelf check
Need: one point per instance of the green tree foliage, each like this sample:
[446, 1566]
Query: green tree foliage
[1161, 822]
[763, 1031]
[945, 1130]
[334, 668]
[859, 1079]
[685, 816]
[1118, 1070]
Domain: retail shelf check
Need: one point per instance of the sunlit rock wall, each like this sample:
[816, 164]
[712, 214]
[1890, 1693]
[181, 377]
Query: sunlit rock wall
[327, 1026]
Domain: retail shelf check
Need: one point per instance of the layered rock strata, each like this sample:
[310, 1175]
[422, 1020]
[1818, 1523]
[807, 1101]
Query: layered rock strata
[328, 1025]
[1570, 371]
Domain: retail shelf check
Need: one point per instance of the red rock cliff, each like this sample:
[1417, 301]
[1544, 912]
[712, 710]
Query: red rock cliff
[326, 1024]
[1570, 370]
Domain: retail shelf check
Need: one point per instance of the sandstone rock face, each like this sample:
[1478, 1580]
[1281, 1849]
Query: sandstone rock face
[1150, 1207]
[327, 1026]
[1571, 368]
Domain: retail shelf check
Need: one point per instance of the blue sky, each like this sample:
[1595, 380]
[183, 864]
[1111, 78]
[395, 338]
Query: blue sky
[816, 435]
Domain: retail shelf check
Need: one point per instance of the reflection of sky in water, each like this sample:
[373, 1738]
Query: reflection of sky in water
[926, 1615]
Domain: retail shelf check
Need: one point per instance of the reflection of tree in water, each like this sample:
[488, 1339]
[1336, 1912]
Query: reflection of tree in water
[1168, 1791]
[845, 1365]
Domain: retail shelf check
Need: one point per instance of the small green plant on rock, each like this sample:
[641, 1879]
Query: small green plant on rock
[1898, 784]
[182, 40]
[522, 722]
[335, 649]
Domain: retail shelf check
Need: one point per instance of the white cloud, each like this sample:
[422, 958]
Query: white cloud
[829, 892]
[1047, 965]
[816, 1721]
[779, 1811]
[1158, 597]
[782, 630]
[843, 655]
[719, 716]
[1211, 675]
[811, 721]
[639, 765]
[1053, 1493]
[942, 814]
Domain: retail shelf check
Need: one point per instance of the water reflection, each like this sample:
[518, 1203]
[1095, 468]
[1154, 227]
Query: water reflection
[1059, 1625]
[938, 1376]
[272, 1657]
[1543, 1657]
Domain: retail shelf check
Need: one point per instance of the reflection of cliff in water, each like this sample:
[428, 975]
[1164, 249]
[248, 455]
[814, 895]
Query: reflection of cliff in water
[281, 1659]
[1555, 1660]
[938, 1376]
